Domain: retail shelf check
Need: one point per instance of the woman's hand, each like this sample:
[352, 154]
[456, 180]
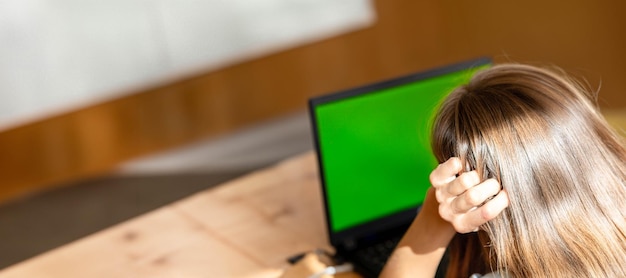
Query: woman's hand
[460, 203]
[463, 200]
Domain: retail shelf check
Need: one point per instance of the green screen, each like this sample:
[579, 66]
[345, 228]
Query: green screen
[376, 148]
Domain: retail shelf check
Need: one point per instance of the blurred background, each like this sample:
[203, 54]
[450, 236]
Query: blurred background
[112, 109]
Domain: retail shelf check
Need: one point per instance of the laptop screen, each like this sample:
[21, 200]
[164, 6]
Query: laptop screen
[373, 144]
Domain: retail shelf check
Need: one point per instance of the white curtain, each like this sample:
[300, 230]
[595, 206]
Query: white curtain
[57, 55]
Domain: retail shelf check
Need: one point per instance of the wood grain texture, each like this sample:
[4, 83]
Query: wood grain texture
[244, 228]
[583, 37]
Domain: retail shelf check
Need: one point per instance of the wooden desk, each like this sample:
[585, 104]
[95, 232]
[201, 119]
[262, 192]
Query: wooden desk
[244, 228]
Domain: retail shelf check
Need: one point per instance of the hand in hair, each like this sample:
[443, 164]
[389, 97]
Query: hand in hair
[464, 200]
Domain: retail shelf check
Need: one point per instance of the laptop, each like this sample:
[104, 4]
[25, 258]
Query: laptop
[373, 150]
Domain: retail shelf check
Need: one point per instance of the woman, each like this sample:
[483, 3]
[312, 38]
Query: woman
[532, 178]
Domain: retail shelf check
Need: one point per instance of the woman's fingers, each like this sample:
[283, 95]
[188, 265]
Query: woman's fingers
[443, 175]
[464, 200]
[470, 221]
[462, 183]
[445, 172]
[475, 196]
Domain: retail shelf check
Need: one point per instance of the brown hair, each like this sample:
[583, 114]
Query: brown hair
[541, 136]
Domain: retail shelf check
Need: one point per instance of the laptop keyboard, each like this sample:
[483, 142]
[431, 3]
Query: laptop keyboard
[376, 255]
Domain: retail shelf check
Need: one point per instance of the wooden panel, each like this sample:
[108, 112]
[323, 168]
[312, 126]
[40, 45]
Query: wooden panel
[585, 37]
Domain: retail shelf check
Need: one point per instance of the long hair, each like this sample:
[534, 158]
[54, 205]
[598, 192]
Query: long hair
[541, 136]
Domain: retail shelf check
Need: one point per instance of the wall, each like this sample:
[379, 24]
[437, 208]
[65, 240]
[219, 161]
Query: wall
[584, 37]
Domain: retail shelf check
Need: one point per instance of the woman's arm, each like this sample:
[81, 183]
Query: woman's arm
[455, 203]
[420, 250]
